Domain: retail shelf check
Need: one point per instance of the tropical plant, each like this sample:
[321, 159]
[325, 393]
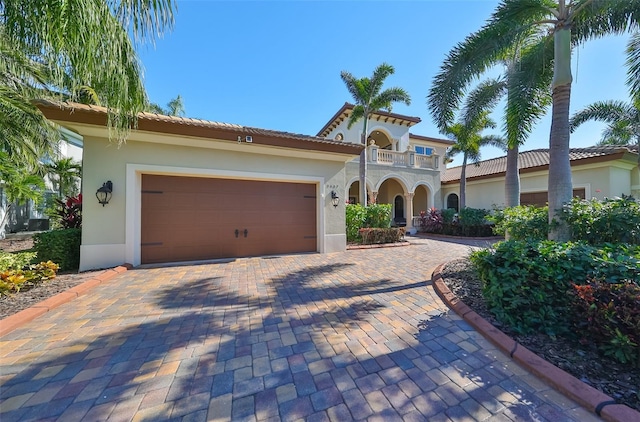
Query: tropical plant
[175, 107]
[368, 98]
[467, 132]
[19, 185]
[570, 23]
[64, 174]
[58, 49]
[623, 121]
[527, 76]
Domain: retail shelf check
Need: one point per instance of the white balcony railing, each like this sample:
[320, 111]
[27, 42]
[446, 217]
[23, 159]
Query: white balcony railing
[402, 159]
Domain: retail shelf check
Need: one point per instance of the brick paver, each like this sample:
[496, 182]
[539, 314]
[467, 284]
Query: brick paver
[359, 335]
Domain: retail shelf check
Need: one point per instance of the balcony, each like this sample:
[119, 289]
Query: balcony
[408, 159]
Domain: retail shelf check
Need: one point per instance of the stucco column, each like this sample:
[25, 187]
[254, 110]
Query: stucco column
[409, 199]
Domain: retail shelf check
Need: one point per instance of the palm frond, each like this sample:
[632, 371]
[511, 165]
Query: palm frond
[604, 17]
[529, 92]
[357, 114]
[482, 99]
[380, 73]
[604, 111]
[633, 67]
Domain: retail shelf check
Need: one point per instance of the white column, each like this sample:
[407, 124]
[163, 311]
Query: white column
[409, 200]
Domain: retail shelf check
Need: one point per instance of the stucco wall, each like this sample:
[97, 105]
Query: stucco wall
[109, 232]
[599, 181]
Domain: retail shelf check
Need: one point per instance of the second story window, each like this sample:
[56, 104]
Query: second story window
[423, 150]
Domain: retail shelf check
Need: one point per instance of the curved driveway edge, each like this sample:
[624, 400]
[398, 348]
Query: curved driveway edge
[589, 397]
[18, 319]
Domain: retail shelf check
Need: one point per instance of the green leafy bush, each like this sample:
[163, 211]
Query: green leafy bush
[60, 246]
[15, 261]
[610, 220]
[524, 222]
[469, 222]
[371, 235]
[526, 283]
[358, 216]
[378, 216]
[14, 280]
[609, 315]
[448, 215]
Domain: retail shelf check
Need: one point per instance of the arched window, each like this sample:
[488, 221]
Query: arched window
[452, 201]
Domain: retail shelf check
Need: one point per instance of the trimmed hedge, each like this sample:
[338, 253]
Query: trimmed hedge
[381, 235]
[60, 246]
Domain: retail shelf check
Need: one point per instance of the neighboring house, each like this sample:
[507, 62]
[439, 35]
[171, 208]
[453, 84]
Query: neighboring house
[404, 169]
[597, 172]
[189, 189]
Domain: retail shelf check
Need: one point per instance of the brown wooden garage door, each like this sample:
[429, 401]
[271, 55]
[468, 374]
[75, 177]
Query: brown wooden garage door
[193, 218]
[540, 199]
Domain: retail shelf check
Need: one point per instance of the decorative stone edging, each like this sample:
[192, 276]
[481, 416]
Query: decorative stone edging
[587, 396]
[450, 236]
[14, 321]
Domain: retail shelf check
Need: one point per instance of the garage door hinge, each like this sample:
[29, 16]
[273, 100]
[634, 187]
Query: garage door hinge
[152, 191]
[309, 197]
[152, 244]
[310, 237]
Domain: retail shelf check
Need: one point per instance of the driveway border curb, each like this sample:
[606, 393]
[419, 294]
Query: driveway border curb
[587, 396]
[18, 319]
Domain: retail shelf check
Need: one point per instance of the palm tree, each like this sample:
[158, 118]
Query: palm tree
[64, 174]
[570, 23]
[78, 44]
[368, 99]
[175, 107]
[527, 71]
[467, 132]
[20, 184]
[623, 119]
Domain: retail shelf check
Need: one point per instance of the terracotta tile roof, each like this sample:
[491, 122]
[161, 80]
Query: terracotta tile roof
[345, 111]
[92, 114]
[537, 159]
[431, 139]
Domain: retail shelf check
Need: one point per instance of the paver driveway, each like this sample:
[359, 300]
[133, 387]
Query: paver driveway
[353, 335]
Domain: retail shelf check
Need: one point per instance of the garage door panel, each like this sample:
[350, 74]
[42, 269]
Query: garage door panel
[186, 218]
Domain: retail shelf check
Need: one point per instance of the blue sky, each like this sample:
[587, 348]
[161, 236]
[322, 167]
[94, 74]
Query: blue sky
[276, 64]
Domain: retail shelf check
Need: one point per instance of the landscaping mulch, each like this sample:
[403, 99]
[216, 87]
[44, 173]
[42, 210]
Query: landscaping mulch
[621, 382]
[13, 303]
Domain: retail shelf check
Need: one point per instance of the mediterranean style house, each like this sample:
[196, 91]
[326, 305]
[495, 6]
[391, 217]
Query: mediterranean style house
[185, 189]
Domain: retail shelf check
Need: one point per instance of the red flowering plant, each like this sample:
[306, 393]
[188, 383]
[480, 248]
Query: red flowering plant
[70, 212]
[609, 315]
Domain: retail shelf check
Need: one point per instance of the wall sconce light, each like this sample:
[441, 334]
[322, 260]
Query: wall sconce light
[104, 193]
[335, 199]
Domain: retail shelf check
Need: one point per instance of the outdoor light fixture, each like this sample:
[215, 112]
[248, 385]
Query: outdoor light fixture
[104, 193]
[335, 199]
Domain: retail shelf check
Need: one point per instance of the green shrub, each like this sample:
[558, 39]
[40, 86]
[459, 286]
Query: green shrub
[524, 222]
[609, 315]
[526, 284]
[469, 222]
[14, 280]
[60, 246]
[447, 215]
[608, 221]
[15, 261]
[358, 216]
[378, 216]
[371, 235]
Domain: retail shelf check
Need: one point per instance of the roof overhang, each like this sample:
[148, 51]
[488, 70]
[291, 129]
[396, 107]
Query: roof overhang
[380, 116]
[430, 139]
[179, 126]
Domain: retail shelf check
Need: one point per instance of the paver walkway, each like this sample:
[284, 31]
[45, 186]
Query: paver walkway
[355, 335]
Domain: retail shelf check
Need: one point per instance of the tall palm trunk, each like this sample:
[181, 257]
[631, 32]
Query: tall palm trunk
[463, 183]
[560, 187]
[512, 178]
[363, 165]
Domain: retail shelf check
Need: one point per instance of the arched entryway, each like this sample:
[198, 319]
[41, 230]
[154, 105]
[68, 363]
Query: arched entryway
[398, 214]
[421, 197]
[381, 138]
